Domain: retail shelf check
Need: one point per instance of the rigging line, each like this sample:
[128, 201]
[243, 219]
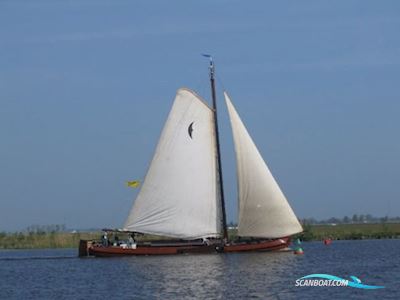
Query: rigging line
[220, 82]
[129, 201]
[201, 87]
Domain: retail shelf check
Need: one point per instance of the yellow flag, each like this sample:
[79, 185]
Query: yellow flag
[133, 184]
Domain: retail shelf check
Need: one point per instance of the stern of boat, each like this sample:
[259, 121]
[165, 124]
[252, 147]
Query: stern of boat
[84, 248]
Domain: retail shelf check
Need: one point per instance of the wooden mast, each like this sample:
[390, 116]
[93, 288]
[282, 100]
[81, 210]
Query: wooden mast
[219, 167]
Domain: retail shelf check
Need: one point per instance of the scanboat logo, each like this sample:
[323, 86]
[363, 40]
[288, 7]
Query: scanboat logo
[331, 280]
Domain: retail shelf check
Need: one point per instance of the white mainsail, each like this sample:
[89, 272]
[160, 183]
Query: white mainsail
[178, 197]
[263, 208]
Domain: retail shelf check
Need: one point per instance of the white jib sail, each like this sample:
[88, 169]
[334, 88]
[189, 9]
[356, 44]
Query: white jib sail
[178, 197]
[263, 208]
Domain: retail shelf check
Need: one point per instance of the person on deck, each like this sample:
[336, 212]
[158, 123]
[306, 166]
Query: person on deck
[131, 240]
[104, 239]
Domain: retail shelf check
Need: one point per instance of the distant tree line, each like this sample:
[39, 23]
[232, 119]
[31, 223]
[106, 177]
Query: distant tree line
[355, 219]
[44, 229]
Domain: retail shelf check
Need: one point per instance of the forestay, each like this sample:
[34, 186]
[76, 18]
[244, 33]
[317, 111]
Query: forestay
[263, 208]
[178, 197]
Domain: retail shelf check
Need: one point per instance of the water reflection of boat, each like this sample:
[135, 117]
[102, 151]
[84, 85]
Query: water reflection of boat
[182, 196]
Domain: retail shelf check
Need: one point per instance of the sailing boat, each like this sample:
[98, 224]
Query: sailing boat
[182, 196]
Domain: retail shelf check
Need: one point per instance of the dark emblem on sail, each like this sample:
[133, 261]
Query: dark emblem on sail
[190, 130]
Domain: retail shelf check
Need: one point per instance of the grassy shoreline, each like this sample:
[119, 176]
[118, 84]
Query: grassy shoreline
[350, 231]
[21, 240]
[42, 240]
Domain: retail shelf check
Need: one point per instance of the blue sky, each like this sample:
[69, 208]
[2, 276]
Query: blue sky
[86, 86]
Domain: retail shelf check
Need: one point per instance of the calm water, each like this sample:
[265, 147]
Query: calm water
[59, 274]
